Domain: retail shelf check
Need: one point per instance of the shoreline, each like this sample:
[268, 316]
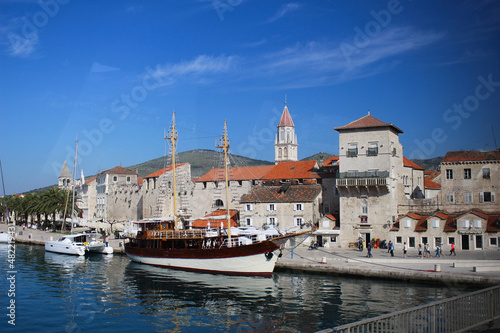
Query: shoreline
[472, 268]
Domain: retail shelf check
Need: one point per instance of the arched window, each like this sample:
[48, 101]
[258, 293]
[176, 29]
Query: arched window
[286, 152]
[219, 203]
[364, 207]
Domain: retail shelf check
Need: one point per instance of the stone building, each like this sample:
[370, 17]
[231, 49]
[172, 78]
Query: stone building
[470, 179]
[158, 192]
[87, 193]
[118, 195]
[375, 181]
[285, 144]
[210, 189]
[65, 181]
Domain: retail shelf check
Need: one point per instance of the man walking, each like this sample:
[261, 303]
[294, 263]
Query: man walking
[452, 249]
[405, 250]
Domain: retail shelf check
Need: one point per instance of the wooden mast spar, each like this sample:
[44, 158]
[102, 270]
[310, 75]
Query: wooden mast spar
[224, 144]
[172, 136]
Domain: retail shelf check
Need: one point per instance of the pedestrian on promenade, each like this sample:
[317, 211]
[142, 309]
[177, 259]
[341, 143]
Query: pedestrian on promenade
[405, 250]
[369, 249]
[437, 252]
[441, 250]
[389, 247]
[420, 251]
[452, 249]
[392, 250]
[427, 250]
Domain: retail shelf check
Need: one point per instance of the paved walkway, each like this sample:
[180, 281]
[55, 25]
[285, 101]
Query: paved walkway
[476, 267]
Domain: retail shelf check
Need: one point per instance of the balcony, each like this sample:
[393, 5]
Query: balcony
[368, 178]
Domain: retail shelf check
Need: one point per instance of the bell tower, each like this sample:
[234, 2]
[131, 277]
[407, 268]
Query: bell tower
[285, 144]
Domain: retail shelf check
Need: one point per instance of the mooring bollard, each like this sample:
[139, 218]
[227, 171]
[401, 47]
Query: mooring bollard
[323, 260]
[437, 268]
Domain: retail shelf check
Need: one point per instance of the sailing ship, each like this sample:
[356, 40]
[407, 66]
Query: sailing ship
[225, 250]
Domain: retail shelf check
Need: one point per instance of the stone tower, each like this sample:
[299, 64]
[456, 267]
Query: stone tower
[285, 144]
[65, 177]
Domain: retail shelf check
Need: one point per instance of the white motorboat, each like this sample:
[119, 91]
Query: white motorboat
[68, 244]
[93, 244]
[4, 237]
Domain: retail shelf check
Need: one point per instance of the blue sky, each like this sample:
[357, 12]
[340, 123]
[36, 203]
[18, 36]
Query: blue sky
[112, 72]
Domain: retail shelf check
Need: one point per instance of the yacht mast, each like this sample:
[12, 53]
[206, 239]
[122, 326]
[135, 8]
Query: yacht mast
[74, 172]
[224, 144]
[172, 136]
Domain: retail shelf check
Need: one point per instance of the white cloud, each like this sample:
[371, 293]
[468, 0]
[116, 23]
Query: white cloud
[199, 70]
[286, 8]
[20, 46]
[98, 68]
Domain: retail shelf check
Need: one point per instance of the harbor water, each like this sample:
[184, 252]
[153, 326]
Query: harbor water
[107, 293]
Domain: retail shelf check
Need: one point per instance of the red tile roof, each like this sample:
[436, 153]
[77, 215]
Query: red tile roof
[430, 184]
[467, 155]
[293, 170]
[274, 194]
[331, 217]
[367, 121]
[431, 174]
[286, 119]
[244, 173]
[162, 171]
[217, 218]
[332, 160]
[410, 164]
[119, 170]
[140, 181]
[90, 180]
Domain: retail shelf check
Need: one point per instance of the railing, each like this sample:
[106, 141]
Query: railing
[457, 314]
[162, 234]
[364, 174]
[362, 182]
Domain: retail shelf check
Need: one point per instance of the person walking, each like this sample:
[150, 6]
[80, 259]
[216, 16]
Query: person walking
[405, 250]
[437, 252]
[428, 250]
[392, 250]
[452, 249]
[389, 246]
[420, 251]
[369, 249]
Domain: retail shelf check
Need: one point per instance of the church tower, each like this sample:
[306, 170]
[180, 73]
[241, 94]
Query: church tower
[65, 178]
[285, 144]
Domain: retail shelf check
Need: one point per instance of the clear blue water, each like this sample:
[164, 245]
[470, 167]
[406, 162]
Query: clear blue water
[98, 293]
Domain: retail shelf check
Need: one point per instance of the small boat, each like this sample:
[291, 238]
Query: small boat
[5, 238]
[93, 244]
[170, 243]
[68, 244]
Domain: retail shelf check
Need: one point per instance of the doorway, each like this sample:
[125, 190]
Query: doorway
[479, 242]
[366, 237]
[465, 242]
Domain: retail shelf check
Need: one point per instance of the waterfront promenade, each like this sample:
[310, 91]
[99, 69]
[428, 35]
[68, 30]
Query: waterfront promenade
[481, 267]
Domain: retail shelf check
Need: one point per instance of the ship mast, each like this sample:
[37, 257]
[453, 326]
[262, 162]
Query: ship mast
[172, 136]
[74, 172]
[224, 144]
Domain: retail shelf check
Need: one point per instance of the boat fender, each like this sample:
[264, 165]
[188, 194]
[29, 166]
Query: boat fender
[269, 255]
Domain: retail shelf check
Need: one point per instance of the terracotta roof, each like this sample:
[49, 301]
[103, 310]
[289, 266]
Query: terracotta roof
[493, 224]
[293, 170]
[275, 194]
[331, 161]
[119, 170]
[218, 217]
[410, 164]
[140, 180]
[286, 119]
[367, 121]
[431, 174]
[90, 180]
[430, 184]
[162, 171]
[331, 217]
[468, 155]
[65, 171]
[244, 173]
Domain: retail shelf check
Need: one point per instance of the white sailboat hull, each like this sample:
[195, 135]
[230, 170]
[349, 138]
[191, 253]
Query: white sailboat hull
[65, 248]
[5, 238]
[256, 264]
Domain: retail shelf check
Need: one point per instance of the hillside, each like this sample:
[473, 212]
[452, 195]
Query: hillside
[318, 157]
[429, 164]
[201, 160]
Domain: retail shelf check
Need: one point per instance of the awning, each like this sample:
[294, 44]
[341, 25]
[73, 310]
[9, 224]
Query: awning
[326, 232]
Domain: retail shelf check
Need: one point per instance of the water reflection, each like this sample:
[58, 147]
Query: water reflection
[75, 294]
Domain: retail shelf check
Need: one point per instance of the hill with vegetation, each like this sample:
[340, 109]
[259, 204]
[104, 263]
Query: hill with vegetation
[429, 164]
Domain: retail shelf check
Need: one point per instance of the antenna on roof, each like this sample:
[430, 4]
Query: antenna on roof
[368, 111]
[494, 139]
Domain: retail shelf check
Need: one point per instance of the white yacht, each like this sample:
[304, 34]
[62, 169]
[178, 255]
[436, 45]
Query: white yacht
[68, 244]
[93, 244]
